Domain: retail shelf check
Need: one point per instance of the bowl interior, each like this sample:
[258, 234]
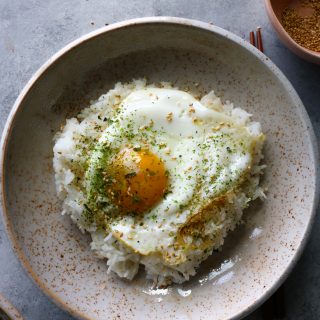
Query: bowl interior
[254, 257]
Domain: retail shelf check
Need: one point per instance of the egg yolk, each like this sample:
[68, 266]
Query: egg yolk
[138, 180]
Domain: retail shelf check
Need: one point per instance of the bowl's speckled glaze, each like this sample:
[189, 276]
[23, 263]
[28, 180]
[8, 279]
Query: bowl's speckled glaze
[256, 257]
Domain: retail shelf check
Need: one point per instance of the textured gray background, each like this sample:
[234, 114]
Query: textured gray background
[32, 30]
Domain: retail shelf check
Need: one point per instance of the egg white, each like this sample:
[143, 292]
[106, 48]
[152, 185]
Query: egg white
[205, 153]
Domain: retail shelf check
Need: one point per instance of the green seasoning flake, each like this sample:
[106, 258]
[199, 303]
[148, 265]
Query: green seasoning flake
[88, 214]
[137, 148]
[136, 198]
[96, 179]
[130, 175]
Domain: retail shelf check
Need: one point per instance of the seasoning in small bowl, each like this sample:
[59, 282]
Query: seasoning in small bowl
[303, 24]
[297, 23]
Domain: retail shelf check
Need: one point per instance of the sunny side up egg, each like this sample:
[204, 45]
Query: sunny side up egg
[162, 168]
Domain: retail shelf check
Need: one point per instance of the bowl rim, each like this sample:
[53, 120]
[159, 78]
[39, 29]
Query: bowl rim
[286, 38]
[190, 23]
[9, 309]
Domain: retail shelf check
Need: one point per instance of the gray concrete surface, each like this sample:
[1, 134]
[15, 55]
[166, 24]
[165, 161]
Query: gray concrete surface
[32, 30]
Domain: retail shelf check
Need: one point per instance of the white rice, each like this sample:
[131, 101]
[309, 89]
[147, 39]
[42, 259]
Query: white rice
[69, 165]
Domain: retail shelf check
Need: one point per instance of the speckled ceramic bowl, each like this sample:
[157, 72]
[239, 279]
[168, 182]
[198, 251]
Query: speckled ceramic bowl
[8, 311]
[255, 259]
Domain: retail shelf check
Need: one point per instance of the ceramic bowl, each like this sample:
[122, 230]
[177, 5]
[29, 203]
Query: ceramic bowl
[275, 9]
[8, 311]
[256, 257]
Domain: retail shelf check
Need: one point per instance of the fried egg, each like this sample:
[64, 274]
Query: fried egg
[162, 168]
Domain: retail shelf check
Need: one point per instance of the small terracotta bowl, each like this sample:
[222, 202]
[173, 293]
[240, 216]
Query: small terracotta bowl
[274, 10]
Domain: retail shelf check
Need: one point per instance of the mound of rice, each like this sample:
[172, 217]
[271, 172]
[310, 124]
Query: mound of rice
[70, 164]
